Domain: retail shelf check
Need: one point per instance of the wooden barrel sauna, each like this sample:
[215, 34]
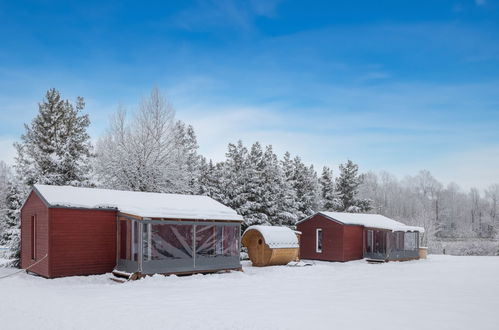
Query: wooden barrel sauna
[423, 252]
[271, 245]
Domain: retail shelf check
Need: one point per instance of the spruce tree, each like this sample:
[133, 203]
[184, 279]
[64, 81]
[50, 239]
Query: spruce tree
[12, 233]
[347, 187]
[273, 190]
[55, 148]
[307, 188]
[252, 208]
[329, 200]
[233, 177]
[289, 203]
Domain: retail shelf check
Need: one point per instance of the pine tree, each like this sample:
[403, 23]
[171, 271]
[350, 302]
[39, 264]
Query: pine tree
[4, 180]
[347, 187]
[12, 233]
[289, 203]
[55, 148]
[307, 188]
[233, 178]
[272, 181]
[252, 208]
[187, 160]
[329, 200]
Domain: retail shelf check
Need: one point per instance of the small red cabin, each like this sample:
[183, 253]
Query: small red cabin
[337, 236]
[82, 231]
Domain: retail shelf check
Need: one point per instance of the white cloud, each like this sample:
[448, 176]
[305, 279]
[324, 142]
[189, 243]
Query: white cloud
[7, 151]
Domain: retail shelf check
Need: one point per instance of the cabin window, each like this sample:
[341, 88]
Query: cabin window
[33, 237]
[369, 243]
[318, 240]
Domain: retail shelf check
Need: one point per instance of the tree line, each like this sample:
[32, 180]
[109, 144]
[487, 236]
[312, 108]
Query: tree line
[150, 150]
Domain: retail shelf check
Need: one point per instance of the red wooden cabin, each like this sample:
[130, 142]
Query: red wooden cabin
[74, 231]
[336, 236]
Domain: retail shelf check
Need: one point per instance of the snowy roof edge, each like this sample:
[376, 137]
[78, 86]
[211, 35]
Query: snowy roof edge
[407, 227]
[108, 207]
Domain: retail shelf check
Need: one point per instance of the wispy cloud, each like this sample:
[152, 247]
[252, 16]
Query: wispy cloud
[212, 13]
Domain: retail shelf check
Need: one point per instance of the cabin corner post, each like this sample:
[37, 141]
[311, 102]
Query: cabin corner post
[141, 244]
[118, 247]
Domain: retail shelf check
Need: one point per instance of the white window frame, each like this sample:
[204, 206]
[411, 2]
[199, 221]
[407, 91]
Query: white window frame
[317, 249]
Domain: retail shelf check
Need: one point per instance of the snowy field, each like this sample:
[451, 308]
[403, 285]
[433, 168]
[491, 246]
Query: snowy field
[443, 292]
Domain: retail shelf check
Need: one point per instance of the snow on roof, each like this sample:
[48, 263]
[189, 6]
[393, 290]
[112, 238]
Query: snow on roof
[370, 221]
[143, 204]
[277, 237]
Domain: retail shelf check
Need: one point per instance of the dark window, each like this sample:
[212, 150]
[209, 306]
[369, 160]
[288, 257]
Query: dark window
[318, 240]
[33, 237]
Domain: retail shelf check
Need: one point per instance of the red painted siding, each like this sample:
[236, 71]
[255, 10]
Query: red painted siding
[332, 239]
[34, 206]
[83, 242]
[76, 241]
[340, 242]
[353, 247]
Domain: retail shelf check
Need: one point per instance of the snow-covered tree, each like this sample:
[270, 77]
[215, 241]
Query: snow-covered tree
[347, 188]
[152, 152]
[233, 179]
[11, 235]
[289, 200]
[492, 194]
[329, 200]
[4, 177]
[306, 186]
[276, 196]
[252, 208]
[55, 148]
[189, 159]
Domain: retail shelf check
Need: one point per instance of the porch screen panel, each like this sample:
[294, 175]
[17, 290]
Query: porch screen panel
[369, 243]
[135, 241]
[410, 241]
[230, 241]
[206, 240]
[170, 242]
[379, 242]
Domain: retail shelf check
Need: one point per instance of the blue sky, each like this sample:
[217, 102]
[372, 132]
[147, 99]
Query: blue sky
[393, 85]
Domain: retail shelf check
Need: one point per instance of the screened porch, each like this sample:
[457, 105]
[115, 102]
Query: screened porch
[170, 246]
[391, 245]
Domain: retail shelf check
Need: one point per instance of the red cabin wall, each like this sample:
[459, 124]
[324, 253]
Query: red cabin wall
[34, 206]
[83, 242]
[339, 242]
[353, 238]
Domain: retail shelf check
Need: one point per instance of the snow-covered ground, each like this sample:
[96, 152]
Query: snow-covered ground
[442, 292]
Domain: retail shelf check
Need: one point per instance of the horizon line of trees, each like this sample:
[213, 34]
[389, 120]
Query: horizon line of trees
[152, 151]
